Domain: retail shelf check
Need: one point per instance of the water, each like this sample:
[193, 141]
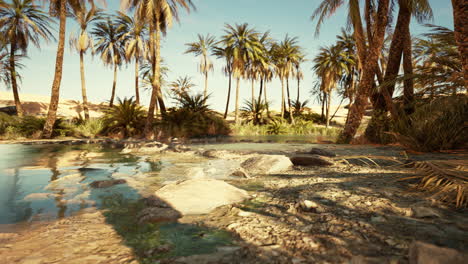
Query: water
[40, 183]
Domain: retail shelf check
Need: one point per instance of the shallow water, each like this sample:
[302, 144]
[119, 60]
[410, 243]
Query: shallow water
[40, 182]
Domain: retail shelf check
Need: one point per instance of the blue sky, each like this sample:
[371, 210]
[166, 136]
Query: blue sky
[280, 17]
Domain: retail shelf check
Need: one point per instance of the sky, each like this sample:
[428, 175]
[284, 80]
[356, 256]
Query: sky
[280, 17]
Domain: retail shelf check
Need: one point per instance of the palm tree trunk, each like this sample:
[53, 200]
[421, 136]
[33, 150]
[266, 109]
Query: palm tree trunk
[206, 84]
[408, 85]
[137, 86]
[14, 84]
[266, 97]
[54, 99]
[114, 84]
[260, 91]
[282, 98]
[460, 13]
[228, 96]
[155, 36]
[253, 92]
[83, 87]
[298, 89]
[365, 87]
[327, 118]
[324, 98]
[236, 118]
[291, 116]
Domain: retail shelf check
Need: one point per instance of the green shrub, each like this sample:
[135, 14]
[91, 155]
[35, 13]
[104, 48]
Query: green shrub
[192, 118]
[7, 121]
[255, 113]
[126, 118]
[438, 125]
[277, 127]
[90, 129]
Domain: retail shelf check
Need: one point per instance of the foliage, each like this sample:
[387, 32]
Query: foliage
[31, 126]
[193, 118]
[7, 121]
[447, 180]
[90, 128]
[126, 118]
[436, 125]
[255, 112]
[277, 127]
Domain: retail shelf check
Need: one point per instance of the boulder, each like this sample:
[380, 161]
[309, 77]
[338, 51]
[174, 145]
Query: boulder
[424, 212]
[200, 196]
[423, 253]
[158, 215]
[241, 173]
[106, 183]
[322, 152]
[267, 164]
[152, 147]
[310, 160]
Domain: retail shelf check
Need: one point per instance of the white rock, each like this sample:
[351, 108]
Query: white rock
[267, 164]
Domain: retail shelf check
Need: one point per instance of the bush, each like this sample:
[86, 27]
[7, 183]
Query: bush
[438, 125]
[193, 118]
[90, 129]
[277, 127]
[126, 118]
[7, 121]
[255, 113]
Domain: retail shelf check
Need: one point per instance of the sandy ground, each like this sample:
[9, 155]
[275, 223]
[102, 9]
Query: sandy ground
[38, 105]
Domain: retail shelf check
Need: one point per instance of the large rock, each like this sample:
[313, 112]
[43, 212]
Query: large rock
[157, 215]
[310, 160]
[267, 164]
[200, 196]
[106, 183]
[423, 253]
[322, 152]
[152, 147]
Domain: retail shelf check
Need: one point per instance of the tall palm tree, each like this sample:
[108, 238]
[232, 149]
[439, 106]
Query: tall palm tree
[22, 22]
[158, 15]
[246, 47]
[298, 73]
[330, 64]
[109, 44]
[368, 55]
[135, 43]
[58, 8]
[81, 41]
[202, 48]
[460, 13]
[224, 51]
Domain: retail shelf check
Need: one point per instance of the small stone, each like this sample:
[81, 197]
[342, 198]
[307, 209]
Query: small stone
[310, 160]
[368, 203]
[311, 242]
[245, 214]
[424, 212]
[322, 152]
[107, 183]
[377, 219]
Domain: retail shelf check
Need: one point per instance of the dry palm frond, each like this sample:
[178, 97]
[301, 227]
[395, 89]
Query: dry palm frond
[373, 161]
[447, 180]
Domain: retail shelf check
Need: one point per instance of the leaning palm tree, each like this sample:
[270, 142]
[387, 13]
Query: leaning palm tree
[158, 15]
[81, 41]
[22, 22]
[246, 47]
[460, 12]
[135, 43]
[202, 48]
[58, 8]
[110, 45]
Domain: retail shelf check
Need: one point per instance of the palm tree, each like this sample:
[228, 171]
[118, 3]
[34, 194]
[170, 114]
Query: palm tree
[182, 85]
[135, 44]
[58, 8]
[460, 13]
[110, 45]
[22, 22]
[81, 41]
[225, 52]
[158, 15]
[298, 73]
[246, 47]
[368, 55]
[201, 48]
[330, 64]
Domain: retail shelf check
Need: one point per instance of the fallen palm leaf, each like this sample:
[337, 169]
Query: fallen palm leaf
[447, 180]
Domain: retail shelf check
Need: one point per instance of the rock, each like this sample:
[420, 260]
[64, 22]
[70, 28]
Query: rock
[322, 152]
[200, 196]
[196, 173]
[106, 183]
[158, 215]
[153, 147]
[424, 212]
[154, 201]
[267, 164]
[423, 253]
[308, 205]
[377, 219]
[245, 213]
[241, 173]
[219, 154]
[310, 160]
[39, 196]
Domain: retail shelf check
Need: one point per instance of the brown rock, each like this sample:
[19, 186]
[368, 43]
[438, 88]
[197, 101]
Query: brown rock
[322, 152]
[107, 183]
[310, 160]
[158, 215]
[423, 253]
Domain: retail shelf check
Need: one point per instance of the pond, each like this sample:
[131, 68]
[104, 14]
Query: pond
[46, 182]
